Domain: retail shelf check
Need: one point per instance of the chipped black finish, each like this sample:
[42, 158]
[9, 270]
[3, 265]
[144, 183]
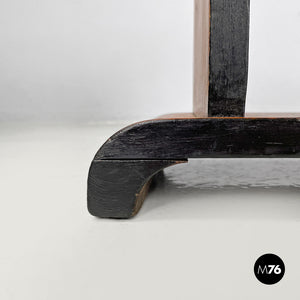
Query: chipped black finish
[228, 59]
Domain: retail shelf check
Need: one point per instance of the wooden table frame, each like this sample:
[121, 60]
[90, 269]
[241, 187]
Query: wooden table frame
[121, 171]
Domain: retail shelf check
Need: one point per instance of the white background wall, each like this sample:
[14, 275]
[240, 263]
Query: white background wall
[98, 60]
[95, 60]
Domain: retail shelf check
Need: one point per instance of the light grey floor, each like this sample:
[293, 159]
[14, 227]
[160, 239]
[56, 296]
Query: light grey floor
[197, 236]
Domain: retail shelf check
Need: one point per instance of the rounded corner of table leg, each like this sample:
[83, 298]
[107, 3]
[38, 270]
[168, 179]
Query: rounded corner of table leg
[117, 188]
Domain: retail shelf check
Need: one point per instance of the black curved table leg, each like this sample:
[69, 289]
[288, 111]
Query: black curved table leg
[122, 169]
[117, 188]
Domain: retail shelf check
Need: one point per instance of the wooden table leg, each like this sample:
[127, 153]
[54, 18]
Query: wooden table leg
[122, 169]
[117, 188]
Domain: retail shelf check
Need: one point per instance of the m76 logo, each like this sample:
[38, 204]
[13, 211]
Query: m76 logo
[270, 269]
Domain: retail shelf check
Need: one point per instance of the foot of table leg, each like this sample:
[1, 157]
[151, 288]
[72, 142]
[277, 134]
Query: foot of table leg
[117, 188]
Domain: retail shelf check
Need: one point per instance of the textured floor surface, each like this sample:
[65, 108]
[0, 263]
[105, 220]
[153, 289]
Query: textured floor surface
[197, 236]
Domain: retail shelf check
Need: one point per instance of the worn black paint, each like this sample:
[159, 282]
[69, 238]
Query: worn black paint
[211, 137]
[228, 59]
[130, 158]
[124, 165]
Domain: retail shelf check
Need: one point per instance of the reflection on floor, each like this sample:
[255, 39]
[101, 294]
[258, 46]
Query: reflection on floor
[227, 188]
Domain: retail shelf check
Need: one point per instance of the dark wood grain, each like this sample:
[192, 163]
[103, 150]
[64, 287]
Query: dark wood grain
[211, 137]
[227, 69]
[229, 44]
[122, 169]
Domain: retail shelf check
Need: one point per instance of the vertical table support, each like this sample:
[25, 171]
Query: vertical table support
[221, 57]
[122, 169]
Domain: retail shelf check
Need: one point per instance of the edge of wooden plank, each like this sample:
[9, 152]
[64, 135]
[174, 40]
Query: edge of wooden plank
[201, 57]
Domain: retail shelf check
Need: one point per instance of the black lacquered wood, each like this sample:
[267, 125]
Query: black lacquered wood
[228, 59]
[122, 169]
[212, 137]
[117, 188]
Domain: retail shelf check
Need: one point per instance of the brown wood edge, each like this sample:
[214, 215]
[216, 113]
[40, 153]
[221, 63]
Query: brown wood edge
[247, 116]
[116, 189]
[191, 116]
[141, 196]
